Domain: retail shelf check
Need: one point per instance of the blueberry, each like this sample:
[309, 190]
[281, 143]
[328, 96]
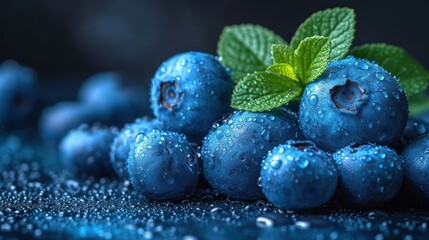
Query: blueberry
[370, 175]
[354, 101]
[56, 121]
[17, 92]
[113, 101]
[85, 150]
[416, 159]
[415, 129]
[298, 176]
[190, 91]
[163, 165]
[232, 153]
[121, 145]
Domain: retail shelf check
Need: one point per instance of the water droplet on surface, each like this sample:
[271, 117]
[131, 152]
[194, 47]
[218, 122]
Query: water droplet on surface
[313, 99]
[379, 76]
[276, 163]
[183, 62]
[361, 65]
[302, 162]
[264, 222]
[367, 158]
[376, 106]
[302, 224]
[259, 182]
[219, 134]
[333, 75]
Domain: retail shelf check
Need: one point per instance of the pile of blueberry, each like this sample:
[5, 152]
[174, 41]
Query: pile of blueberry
[344, 139]
[348, 136]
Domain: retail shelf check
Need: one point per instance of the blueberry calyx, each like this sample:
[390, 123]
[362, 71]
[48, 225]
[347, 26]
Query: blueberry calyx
[305, 146]
[169, 97]
[226, 117]
[348, 97]
[354, 146]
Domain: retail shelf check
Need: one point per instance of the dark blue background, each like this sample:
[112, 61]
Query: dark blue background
[77, 38]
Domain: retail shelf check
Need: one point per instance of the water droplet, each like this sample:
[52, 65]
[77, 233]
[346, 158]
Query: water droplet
[266, 134]
[361, 65]
[276, 163]
[259, 182]
[183, 62]
[302, 162]
[192, 159]
[139, 137]
[219, 134]
[333, 75]
[302, 224]
[377, 214]
[367, 158]
[215, 210]
[379, 76]
[313, 100]
[376, 106]
[264, 222]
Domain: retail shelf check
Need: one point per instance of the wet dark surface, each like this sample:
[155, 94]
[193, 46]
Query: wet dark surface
[39, 199]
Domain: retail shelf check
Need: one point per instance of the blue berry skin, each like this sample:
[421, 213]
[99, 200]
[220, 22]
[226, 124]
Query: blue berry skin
[415, 129]
[298, 176]
[416, 175]
[189, 92]
[56, 121]
[17, 92]
[354, 101]
[113, 101]
[163, 165]
[121, 145]
[370, 175]
[85, 150]
[232, 152]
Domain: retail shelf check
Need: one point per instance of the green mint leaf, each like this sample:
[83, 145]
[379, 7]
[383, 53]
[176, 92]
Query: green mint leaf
[412, 76]
[282, 53]
[311, 58]
[283, 69]
[246, 49]
[338, 24]
[263, 91]
[418, 104]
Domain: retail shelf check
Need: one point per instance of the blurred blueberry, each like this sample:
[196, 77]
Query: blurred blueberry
[56, 121]
[85, 150]
[112, 100]
[17, 92]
